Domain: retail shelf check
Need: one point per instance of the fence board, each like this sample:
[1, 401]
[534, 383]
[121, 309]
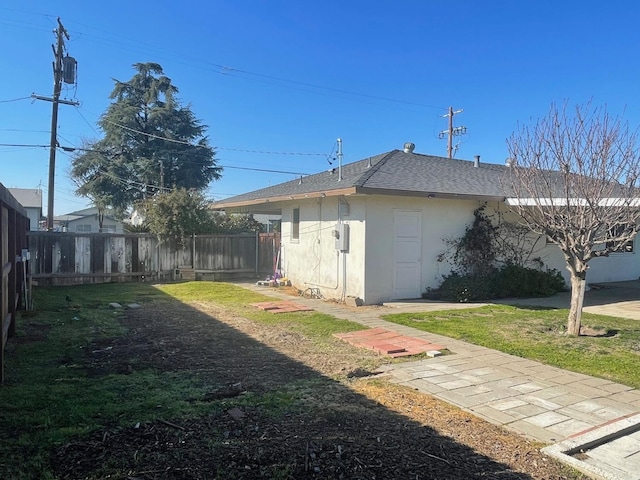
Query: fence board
[99, 257]
[14, 224]
[82, 254]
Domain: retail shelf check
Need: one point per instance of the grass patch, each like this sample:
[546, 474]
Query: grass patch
[318, 325]
[49, 399]
[538, 334]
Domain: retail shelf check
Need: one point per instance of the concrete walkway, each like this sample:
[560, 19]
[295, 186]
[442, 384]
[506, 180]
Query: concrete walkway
[544, 403]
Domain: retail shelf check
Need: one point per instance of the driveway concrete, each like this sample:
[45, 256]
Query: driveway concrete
[617, 299]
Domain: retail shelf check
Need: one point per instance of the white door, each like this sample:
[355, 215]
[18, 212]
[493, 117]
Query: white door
[407, 261]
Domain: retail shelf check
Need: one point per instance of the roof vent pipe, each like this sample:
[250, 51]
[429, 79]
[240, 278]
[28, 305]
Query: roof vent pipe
[476, 161]
[409, 147]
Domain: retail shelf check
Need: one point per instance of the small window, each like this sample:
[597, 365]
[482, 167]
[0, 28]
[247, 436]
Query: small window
[108, 229]
[295, 224]
[617, 231]
[83, 228]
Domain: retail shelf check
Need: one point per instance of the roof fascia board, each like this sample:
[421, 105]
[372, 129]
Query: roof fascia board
[284, 198]
[430, 195]
[575, 202]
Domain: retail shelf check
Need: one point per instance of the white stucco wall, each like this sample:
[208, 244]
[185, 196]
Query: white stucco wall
[34, 218]
[313, 261]
[441, 218]
[367, 269]
[616, 267]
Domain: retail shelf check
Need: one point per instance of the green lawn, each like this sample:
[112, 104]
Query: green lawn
[240, 300]
[48, 398]
[538, 334]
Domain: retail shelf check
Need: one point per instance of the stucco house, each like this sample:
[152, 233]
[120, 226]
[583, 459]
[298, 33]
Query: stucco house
[31, 200]
[86, 221]
[374, 229]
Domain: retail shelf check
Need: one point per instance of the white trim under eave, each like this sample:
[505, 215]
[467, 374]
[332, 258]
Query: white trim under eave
[575, 202]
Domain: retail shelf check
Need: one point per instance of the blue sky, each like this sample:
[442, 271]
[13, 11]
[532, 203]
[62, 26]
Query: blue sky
[275, 79]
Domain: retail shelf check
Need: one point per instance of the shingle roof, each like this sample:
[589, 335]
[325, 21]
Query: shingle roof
[27, 197]
[392, 173]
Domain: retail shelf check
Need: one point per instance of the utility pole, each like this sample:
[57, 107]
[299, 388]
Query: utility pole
[451, 131]
[69, 77]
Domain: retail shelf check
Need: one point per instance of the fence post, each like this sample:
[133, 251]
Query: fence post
[257, 252]
[193, 252]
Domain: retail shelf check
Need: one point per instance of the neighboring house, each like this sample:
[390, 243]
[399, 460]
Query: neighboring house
[271, 223]
[374, 228]
[31, 200]
[86, 221]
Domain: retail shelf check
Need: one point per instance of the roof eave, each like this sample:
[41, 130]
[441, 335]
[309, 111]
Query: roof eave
[257, 205]
[575, 201]
[427, 194]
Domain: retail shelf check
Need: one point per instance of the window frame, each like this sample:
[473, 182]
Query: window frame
[111, 228]
[295, 224]
[628, 247]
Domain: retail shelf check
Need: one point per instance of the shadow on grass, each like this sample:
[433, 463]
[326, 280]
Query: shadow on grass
[261, 413]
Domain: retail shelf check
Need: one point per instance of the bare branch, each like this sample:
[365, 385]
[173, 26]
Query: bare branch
[575, 180]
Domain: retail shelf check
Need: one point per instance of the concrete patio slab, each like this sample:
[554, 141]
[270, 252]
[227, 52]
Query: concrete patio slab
[608, 452]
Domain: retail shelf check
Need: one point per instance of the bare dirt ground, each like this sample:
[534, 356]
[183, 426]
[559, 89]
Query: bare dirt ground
[350, 428]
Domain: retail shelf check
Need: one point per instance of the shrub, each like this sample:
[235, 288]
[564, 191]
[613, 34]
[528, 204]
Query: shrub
[508, 281]
[518, 281]
[464, 288]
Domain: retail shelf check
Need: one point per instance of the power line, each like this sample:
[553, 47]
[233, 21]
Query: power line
[15, 99]
[226, 70]
[272, 153]
[263, 170]
[182, 142]
[86, 121]
[22, 130]
[22, 145]
[331, 89]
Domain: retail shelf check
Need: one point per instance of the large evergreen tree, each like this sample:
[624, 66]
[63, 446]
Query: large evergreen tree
[151, 142]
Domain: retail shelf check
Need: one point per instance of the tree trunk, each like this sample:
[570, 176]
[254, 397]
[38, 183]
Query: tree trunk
[578, 283]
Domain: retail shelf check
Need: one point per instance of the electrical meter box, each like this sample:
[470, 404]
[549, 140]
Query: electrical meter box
[341, 233]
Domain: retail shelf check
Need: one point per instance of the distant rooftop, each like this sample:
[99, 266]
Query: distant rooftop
[27, 197]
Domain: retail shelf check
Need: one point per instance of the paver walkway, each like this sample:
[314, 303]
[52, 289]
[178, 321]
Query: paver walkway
[544, 403]
[389, 343]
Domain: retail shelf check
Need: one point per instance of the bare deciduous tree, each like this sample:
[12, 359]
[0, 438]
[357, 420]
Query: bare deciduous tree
[574, 178]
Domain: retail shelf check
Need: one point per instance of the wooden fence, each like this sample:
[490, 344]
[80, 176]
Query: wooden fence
[14, 224]
[77, 258]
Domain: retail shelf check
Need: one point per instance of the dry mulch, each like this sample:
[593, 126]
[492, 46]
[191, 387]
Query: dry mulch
[343, 424]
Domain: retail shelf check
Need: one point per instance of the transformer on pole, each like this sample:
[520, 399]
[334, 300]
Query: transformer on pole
[64, 70]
